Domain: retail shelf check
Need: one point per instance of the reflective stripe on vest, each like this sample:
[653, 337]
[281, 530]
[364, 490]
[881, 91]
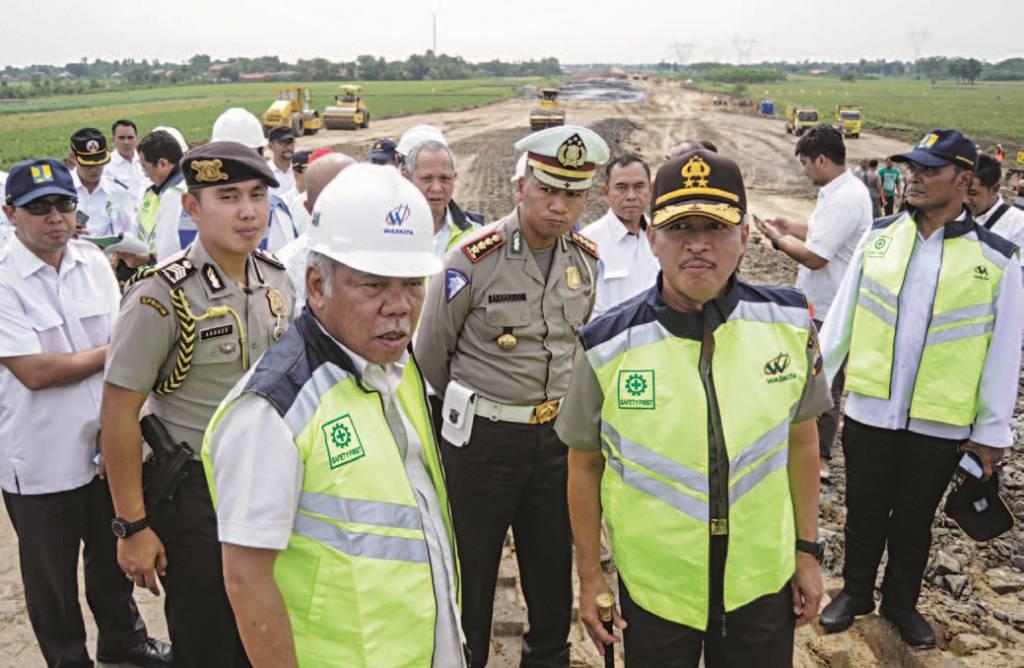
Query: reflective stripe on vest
[654, 437]
[146, 229]
[959, 329]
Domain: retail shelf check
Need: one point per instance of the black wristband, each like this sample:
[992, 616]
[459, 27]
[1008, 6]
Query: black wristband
[775, 242]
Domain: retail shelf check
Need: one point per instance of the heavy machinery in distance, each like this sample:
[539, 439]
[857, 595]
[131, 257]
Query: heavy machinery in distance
[800, 118]
[849, 120]
[348, 112]
[547, 113]
[293, 108]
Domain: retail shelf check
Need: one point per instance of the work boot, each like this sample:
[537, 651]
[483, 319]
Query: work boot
[914, 628]
[150, 653]
[839, 614]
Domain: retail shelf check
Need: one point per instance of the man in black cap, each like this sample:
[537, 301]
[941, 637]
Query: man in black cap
[104, 204]
[281, 142]
[383, 152]
[295, 198]
[188, 330]
[929, 315]
[690, 420]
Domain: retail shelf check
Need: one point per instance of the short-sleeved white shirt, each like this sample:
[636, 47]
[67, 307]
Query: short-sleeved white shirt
[1010, 225]
[841, 217]
[109, 207]
[129, 173]
[627, 266]
[285, 179]
[48, 437]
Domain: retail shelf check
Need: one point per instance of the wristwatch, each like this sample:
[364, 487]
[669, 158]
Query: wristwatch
[775, 242]
[122, 528]
[815, 549]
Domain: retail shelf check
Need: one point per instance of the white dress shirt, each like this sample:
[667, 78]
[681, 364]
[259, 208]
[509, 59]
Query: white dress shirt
[444, 236]
[296, 202]
[295, 256]
[1010, 225]
[48, 437]
[259, 489]
[128, 172]
[997, 393]
[109, 207]
[627, 266]
[285, 179]
[841, 217]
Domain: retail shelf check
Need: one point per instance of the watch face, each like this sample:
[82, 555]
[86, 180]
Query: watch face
[119, 527]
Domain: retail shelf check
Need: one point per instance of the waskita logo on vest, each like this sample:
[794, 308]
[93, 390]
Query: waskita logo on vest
[775, 369]
[342, 442]
[981, 272]
[636, 389]
[395, 218]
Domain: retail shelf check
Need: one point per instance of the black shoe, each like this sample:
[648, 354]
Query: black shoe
[150, 653]
[914, 628]
[838, 615]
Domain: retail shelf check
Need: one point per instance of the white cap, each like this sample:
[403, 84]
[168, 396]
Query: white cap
[372, 219]
[565, 157]
[520, 168]
[238, 125]
[416, 135]
[174, 132]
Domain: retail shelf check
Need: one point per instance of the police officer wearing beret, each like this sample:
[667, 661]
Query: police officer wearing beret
[497, 340]
[188, 330]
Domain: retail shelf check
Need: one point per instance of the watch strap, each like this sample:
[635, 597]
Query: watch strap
[811, 548]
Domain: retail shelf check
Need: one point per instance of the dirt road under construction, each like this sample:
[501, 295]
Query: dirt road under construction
[973, 594]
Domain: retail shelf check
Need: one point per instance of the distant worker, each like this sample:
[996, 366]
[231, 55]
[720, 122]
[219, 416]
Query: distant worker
[104, 203]
[336, 531]
[892, 185]
[430, 166]
[999, 154]
[281, 142]
[125, 165]
[690, 420]
[987, 205]
[824, 245]
[627, 267]
[383, 152]
[929, 315]
[497, 341]
[159, 153]
[6, 229]
[188, 330]
[58, 304]
[296, 197]
[688, 145]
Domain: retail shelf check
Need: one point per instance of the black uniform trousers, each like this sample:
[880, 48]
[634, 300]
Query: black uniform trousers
[513, 475]
[894, 482]
[759, 633]
[828, 422]
[199, 617]
[51, 528]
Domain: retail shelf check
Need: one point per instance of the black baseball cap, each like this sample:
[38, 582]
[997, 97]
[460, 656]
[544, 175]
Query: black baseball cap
[281, 133]
[977, 507]
[383, 149]
[942, 147]
[31, 179]
[89, 147]
[221, 163]
[698, 183]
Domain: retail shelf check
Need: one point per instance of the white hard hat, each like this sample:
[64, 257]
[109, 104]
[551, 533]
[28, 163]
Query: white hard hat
[416, 135]
[238, 125]
[372, 219]
[176, 133]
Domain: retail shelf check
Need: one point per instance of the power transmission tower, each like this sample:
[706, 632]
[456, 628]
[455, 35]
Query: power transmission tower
[744, 46]
[682, 51]
[917, 41]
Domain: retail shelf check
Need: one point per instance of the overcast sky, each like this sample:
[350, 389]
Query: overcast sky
[625, 31]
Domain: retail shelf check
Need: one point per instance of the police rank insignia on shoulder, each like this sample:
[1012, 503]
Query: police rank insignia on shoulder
[585, 243]
[479, 248]
[454, 282]
[209, 171]
[176, 272]
[269, 258]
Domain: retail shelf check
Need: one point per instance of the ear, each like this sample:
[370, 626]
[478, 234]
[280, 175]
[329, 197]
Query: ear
[521, 186]
[315, 289]
[9, 212]
[605, 189]
[651, 238]
[190, 203]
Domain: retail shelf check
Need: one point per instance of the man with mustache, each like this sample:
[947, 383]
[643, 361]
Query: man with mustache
[496, 341]
[929, 314]
[331, 503]
[188, 329]
[691, 425]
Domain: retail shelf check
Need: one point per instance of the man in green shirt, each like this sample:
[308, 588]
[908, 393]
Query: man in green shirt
[892, 183]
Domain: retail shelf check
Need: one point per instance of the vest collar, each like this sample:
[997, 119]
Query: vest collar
[690, 324]
[320, 347]
[957, 227]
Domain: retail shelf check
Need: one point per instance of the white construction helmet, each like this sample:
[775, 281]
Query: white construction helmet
[176, 133]
[416, 135]
[238, 125]
[372, 219]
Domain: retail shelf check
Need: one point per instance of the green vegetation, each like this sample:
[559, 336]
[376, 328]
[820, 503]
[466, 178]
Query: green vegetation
[41, 126]
[989, 112]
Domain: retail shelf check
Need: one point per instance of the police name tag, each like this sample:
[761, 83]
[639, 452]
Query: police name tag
[457, 414]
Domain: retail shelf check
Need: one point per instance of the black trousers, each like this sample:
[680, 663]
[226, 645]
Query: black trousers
[828, 422]
[890, 200]
[894, 481]
[51, 528]
[199, 617]
[513, 475]
[758, 634]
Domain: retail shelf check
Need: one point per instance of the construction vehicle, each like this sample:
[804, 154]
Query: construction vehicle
[849, 120]
[547, 113]
[800, 118]
[348, 112]
[293, 108]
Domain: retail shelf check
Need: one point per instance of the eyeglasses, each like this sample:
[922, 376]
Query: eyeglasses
[41, 207]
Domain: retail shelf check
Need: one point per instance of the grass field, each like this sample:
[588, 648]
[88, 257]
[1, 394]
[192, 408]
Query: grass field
[41, 126]
[989, 112]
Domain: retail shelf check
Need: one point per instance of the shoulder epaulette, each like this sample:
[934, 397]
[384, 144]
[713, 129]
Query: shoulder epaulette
[585, 243]
[269, 258]
[480, 247]
[177, 271]
[140, 273]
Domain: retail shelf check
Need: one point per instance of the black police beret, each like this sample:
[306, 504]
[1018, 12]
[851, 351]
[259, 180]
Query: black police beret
[221, 163]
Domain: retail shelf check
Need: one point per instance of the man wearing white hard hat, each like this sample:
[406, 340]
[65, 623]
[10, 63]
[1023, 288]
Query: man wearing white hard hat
[331, 503]
[415, 136]
[497, 342]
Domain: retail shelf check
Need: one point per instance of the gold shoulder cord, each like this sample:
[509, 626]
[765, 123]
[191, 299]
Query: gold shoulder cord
[187, 339]
[140, 273]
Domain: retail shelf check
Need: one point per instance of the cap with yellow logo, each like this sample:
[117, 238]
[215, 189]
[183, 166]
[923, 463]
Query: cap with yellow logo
[698, 183]
[942, 147]
[221, 163]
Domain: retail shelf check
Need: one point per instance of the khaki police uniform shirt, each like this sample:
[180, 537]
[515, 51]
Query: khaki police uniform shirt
[143, 349]
[491, 286]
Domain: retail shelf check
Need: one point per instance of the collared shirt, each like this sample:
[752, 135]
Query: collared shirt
[108, 206]
[259, 488]
[443, 236]
[296, 202]
[285, 178]
[1010, 225]
[128, 172]
[144, 346]
[171, 218]
[280, 228]
[295, 257]
[48, 437]
[841, 217]
[627, 266]
[997, 393]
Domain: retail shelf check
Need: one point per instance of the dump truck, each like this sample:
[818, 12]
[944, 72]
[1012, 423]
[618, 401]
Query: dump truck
[547, 113]
[348, 112]
[849, 120]
[293, 108]
[799, 118]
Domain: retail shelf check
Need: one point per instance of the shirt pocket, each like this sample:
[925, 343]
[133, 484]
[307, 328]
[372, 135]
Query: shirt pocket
[95, 318]
[217, 349]
[575, 309]
[508, 314]
[48, 324]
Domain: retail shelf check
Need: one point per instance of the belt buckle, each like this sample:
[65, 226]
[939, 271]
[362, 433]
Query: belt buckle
[719, 527]
[545, 412]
